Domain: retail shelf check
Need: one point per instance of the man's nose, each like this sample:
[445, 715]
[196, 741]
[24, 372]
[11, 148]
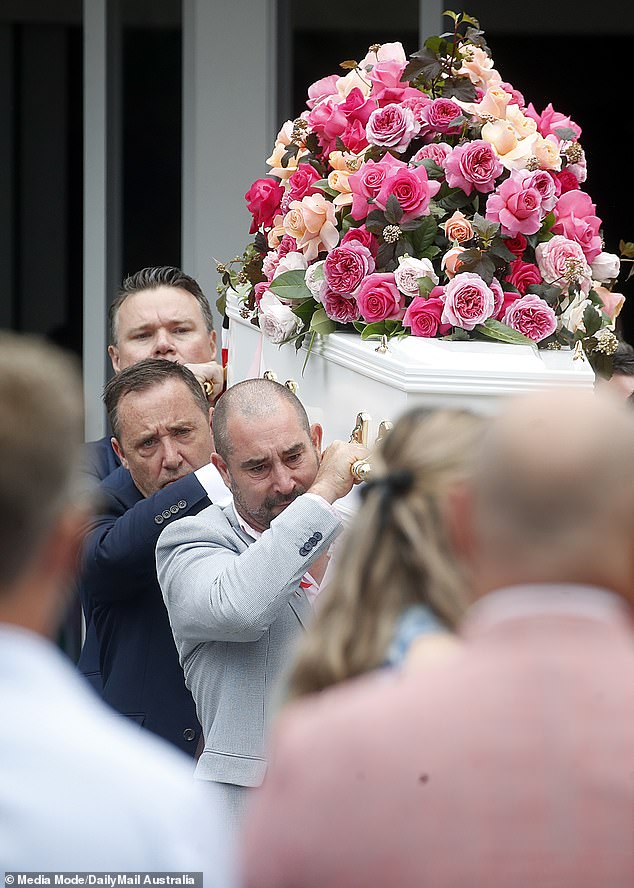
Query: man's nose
[172, 457]
[163, 344]
[283, 479]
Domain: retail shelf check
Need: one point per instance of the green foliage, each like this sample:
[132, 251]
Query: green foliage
[493, 329]
[423, 236]
[321, 323]
[291, 285]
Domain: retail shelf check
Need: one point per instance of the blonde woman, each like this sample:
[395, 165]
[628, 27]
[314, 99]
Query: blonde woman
[396, 592]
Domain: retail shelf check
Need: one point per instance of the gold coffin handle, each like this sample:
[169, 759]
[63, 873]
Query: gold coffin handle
[361, 430]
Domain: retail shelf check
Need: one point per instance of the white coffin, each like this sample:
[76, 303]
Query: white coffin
[345, 376]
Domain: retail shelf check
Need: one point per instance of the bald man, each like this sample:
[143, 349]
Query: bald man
[238, 581]
[510, 764]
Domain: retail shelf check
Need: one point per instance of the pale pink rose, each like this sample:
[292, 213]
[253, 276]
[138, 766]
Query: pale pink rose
[450, 262]
[498, 296]
[384, 53]
[458, 228]
[576, 220]
[321, 89]
[440, 114]
[473, 164]
[417, 102]
[468, 301]
[346, 266]
[290, 262]
[270, 263]
[340, 308]
[424, 317]
[412, 188]
[550, 120]
[437, 151]
[386, 75]
[606, 267]
[379, 299]
[531, 316]
[545, 184]
[366, 184]
[408, 272]
[515, 206]
[313, 223]
[562, 262]
[277, 320]
[612, 302]
[392, 127]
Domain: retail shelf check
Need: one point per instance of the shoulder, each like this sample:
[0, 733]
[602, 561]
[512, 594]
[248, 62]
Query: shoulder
[207, 525]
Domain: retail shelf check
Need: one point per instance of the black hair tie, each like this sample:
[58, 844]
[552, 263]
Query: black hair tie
[393, 484]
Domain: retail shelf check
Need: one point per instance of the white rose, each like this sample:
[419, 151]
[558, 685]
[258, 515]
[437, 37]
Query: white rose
[572, 317]
[409, 271]
[277, 320]
[606, 267]
[314, 278]
[291, 262]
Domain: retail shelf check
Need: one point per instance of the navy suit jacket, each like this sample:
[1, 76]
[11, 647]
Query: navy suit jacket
[100, 459]
[128, 631]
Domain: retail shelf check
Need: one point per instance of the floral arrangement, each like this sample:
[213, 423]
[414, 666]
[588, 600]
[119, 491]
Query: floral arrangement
[426, 198]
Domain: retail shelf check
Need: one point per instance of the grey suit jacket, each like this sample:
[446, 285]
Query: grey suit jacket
[236, 607]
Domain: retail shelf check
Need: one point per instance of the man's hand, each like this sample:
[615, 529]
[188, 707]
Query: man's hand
[334, 478]
[209, 372]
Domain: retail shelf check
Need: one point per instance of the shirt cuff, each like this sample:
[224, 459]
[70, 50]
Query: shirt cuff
[215, 487]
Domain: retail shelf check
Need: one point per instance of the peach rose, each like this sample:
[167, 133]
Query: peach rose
[547, 153]
[312, 223]
[450, 261]
[344, 164]
[281, 144]
[612, 302]
[492, 104]
[478, 66]
[276, 233]
[501, 135]
[458, 228]
[524, 126]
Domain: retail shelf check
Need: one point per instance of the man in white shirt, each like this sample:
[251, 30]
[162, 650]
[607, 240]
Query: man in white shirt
[80, 790]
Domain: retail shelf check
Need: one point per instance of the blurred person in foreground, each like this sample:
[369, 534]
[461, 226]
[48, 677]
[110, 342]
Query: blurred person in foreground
[621, 382]
[79, 789]
[509, 764]
[239, 581]
[397, 591]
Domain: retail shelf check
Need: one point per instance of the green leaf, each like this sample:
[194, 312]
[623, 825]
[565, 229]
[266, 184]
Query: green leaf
[429, 253]
[321, 323]
[591, 320]
[457, 335]
[566, 133]
[425, 286]
[499, 249]
[385, 255]
[479, 263]
[459, 88]
[493, 329]
[305, 310]
[359, 326]
[393, 210]
[423, 237]
[374, 331]
[433, 170]
[404, 247]
[456, 199]
[626, 249]
[423, 62]
[291, 285]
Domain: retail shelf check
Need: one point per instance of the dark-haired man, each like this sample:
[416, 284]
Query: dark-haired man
[160, 418]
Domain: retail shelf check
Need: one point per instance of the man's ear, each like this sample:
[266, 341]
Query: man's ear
[211, 428]
[113, 351]
[223, 469]
[117, 449]
[316, 435]
[213, 345]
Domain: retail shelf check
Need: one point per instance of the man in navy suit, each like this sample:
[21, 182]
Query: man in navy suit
[160, 418]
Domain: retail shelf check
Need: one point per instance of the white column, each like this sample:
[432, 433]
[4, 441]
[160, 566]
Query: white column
[430, 19]
[229, 124]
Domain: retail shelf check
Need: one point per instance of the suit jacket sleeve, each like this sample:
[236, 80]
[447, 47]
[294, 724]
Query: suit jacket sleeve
[119, 550]
[215, 589]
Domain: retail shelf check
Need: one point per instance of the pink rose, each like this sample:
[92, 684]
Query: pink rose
[531, 316]
[411, 187]
[439, 115]
[576, 220]
[338, 307]
[543, 182]
[516, 207]
[346, 266]
[550, 120]
[321, 89]
[424, 317]
[362, 236]
[301, 182]
[263, 201]
[473, 164]
[523, 274]
[562, 262]
[517, 245]
[259, 290]
[498, 296]
[358, 107]
[379, 299]
[392, 127]
[386, 74]
[509, 299]
[515, 94]
[416, 101]
[354, 137]
[438, 151]
[612, 302]
[328, 121]
[468, 301]
[366, 184]
[288, 244]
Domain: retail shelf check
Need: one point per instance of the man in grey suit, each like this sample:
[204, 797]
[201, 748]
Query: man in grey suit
[235, 580]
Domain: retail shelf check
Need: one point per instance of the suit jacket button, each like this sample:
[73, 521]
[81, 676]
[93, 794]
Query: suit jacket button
[304, 551]
[158, 519]
[318, 536]
[167, 513]
[174, 510]
[182, 504]
[189, 734]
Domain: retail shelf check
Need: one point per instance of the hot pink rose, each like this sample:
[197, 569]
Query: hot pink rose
[523, 274]
[576, 220]
[288, 244]
[338, 307]
[550, 120]
[362, 236]
[567, 180]
[517, 245]
[474, 164]
[531, 316]
[263, 200]
[424, 317]
[392, 127]
[439, 115]
[328, 121]
[301, 182]
[259, 290]
[321, 89]
[366, 184]
[346, 266]
[468, 301]
[516, 207]
[509, 299]
[358, 107]
[354, 137]
[411, 187]
[438, 151]
[379, 298]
